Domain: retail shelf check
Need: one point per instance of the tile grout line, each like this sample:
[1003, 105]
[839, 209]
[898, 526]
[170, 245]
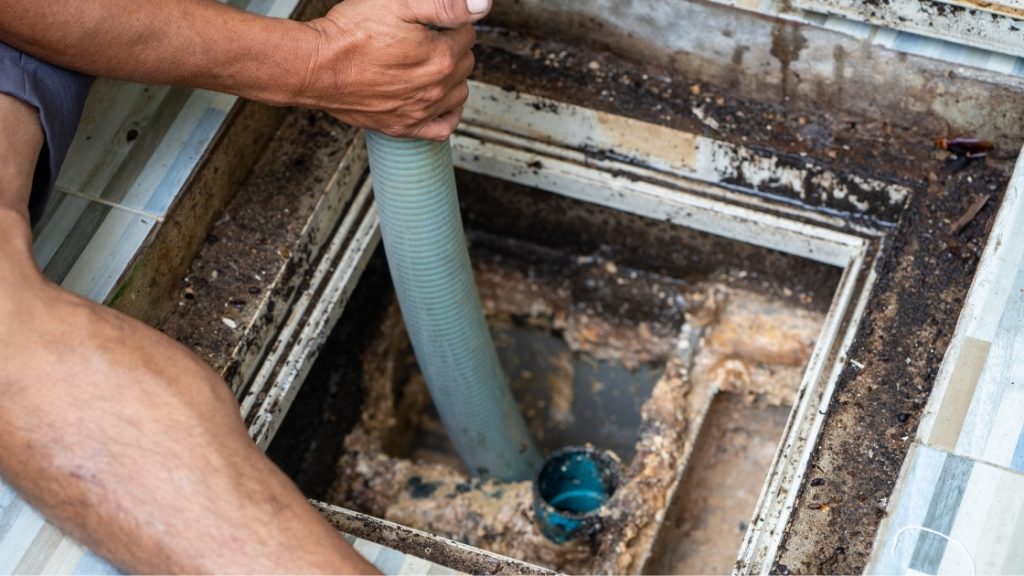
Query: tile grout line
[156, 219]
[942, 516]
[975, 459]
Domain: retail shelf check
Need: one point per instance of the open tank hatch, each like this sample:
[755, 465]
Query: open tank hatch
[702, 264]
[616, 330]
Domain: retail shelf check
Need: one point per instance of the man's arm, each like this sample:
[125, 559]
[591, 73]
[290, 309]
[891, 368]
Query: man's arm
[398, 66]
[123, 437]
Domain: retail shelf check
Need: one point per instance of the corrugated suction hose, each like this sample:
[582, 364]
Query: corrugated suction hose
[414, 184]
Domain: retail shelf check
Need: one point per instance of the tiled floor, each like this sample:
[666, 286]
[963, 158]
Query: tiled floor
[959, 503]
[29, 545]
[953, 515]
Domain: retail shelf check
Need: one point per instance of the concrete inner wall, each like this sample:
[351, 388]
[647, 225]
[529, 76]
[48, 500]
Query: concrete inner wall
[765, 58]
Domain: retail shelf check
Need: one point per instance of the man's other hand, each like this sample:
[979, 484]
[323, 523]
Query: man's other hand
[395, 66]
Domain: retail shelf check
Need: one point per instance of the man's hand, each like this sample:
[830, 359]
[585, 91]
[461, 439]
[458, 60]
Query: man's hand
[396, 66]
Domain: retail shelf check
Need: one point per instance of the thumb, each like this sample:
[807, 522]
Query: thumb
[447, 13]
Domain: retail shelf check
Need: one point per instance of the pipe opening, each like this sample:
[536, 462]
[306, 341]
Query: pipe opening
[572, 486]
[609, 341]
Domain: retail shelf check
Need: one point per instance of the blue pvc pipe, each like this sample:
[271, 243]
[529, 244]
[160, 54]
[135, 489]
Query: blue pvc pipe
[570, 490]
[414, 184]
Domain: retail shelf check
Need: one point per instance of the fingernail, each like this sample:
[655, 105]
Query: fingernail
[478, 6]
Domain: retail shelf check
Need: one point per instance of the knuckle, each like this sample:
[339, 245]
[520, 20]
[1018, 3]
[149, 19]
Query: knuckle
[427, 98]
[358, 35]
[433, 94]
[445, 12]
[446, 63]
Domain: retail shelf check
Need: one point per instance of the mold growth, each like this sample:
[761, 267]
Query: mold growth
[924, 269]
[623, 346]
[399, 466]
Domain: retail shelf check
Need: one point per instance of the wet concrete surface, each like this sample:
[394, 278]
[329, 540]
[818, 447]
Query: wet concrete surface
[712, 508]
[893, 146]
[422, 485]
[924, 269]
[925, 266]
[586, 311]
[566, 398]
[923, 280]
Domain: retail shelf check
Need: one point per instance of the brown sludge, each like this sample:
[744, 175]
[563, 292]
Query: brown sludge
[753, 345]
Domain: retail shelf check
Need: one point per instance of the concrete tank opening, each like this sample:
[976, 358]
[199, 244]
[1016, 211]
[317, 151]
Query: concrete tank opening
[618, 331]
[602, 164]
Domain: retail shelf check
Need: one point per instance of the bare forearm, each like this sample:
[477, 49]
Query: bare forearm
[398, 66]
[199, 43]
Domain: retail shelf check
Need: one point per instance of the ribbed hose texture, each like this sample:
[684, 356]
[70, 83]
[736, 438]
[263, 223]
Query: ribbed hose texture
[414, 184]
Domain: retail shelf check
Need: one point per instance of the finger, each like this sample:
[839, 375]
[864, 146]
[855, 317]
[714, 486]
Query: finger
[454, 97]
[440, 128]
[459, 41]
[446, 13]
[462, 70]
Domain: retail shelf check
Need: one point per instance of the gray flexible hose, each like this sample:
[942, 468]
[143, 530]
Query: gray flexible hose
[414, 184]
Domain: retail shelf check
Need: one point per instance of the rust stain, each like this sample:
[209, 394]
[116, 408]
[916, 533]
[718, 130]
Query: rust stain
[787, 43]
[644, 140]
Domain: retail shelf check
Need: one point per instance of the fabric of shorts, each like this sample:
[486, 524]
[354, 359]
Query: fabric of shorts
[59, 96]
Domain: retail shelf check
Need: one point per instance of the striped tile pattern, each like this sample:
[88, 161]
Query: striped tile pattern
[993, 427]
[135, 150]
[959, 503]
[954, 515]
[28, 545]
[977, 407]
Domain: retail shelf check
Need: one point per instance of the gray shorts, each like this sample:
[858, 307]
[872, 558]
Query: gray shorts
[59, 95]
